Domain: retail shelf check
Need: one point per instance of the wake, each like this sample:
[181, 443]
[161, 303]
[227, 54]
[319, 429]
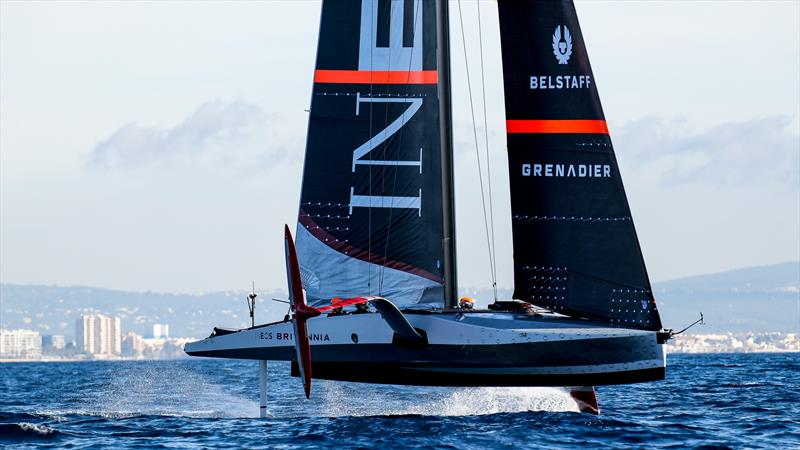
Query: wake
[159, 389]
[130, 390]
[349, 399]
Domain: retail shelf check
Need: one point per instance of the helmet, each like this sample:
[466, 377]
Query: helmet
[466, 303]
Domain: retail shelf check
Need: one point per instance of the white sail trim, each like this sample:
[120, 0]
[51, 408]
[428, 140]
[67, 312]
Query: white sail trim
[326, 274]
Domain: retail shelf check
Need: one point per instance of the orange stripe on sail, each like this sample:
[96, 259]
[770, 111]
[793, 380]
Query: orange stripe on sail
[376, 77]
[557, 126]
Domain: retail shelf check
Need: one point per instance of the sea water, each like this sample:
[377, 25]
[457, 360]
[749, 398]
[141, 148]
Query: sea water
[707, 401]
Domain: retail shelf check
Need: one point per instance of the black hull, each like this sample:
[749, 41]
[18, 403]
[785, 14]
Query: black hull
[571, 353]
[443, 376]
[578, 362]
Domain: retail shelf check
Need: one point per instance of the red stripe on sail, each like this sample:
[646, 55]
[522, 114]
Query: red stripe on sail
[556, 126]
[355, 252]
[376, 77]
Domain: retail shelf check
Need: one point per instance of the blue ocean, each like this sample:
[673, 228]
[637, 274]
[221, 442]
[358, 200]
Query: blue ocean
[707, 401]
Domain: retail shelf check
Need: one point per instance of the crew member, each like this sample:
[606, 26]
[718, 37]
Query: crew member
[466, 303]
[361, 308]
[336, 311]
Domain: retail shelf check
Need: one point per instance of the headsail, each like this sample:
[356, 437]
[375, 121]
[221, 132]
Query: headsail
[370, 220]
[575, 246]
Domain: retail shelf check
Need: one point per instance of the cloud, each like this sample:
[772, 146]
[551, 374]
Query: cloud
[217, 133]
[743, 154]
[755, 152]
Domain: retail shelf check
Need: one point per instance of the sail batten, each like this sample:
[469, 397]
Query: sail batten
[575, 246]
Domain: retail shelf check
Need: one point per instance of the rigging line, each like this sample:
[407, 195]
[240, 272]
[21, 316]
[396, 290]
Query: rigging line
[417, 11]
[488, 166]
[477, 149]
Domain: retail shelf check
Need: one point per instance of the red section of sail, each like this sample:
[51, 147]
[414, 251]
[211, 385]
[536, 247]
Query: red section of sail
[354, 252]
[557, 126]
[376, 77]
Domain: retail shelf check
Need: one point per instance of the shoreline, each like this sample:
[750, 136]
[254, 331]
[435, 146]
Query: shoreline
[71, 360]
[88, 360]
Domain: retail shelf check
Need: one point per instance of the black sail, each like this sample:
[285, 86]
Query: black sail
[370, 219]
[575, 246]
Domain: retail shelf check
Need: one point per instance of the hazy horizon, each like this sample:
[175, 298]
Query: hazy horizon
[261, 289]
[159, 146]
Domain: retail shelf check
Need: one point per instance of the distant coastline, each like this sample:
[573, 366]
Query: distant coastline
[750, 300]
[683, 344]
[52, 359]
[735, 343]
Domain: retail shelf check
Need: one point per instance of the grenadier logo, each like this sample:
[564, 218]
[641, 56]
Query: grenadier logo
[562, 48]
[567, 170]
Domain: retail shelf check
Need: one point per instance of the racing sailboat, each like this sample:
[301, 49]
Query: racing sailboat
[372, 277]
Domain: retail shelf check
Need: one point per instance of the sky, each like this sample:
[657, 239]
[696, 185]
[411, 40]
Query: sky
[159, 146]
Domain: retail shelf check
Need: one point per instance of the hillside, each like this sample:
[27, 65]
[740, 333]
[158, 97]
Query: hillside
[758, 299]
[53, 309]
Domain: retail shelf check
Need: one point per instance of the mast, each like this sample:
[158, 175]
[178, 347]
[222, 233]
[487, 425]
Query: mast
[445, 117]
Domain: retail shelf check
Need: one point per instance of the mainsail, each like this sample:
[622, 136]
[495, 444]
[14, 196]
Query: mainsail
[370, 220]
[575, 246]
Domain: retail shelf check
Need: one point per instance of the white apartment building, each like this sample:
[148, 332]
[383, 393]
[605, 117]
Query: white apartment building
[98, 334]
[20, 344]
[161, 330]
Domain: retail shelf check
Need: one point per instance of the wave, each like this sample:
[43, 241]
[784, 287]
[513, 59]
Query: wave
[25, 431]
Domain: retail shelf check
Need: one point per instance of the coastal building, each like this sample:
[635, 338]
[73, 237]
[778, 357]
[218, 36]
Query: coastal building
[161, 330]
[161, 348]
[20, 344]
[132, 345]
[54, 342]
[97, 334]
